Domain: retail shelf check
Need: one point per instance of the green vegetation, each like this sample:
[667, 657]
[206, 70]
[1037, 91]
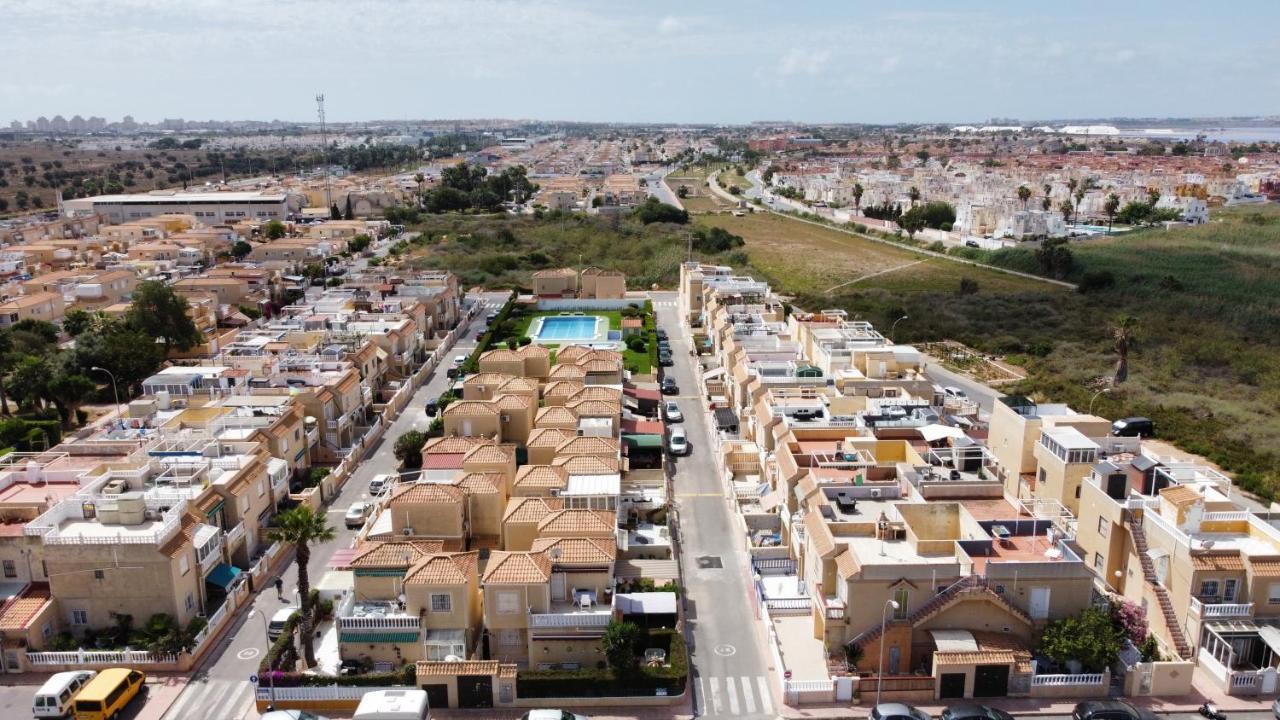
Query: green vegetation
[1093, 639]
[301, 527]
[408, 449]
[470, 187]
[603, 681]
[636, 357]
[495, 332]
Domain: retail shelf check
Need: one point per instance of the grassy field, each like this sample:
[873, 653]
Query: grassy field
[700, 199]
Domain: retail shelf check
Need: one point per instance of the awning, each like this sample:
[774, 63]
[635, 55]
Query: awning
[770, 501]
[652, 569]
[1271, 636]
[713, 373]
[646, 603]
[377, 637]
[223, 575]
[643, 441]
[935, 432]
[725, 419]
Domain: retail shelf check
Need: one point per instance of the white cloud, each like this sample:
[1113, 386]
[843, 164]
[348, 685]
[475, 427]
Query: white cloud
[799, 61]
[671, 25]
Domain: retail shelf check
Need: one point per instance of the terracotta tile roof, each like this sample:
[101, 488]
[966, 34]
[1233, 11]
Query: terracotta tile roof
[597, 392]
[562, 388]
[589, 446]
[174, 547]
[601, 366]
[517, 568]
[556, 415]
[569, 355]
[595, 408]
[577, 551]
[820, 536]
[452, 444]
[993, 649]
[26, 606]
[471, 407]
[426, 494]
[1180, 495]
[431, 668]
[556, 273]
[441, 461]
[443, 569]
[508, 671]
[533, 351]
[566, 372]
[541, 477]
[549, 437]
[512, 402]
[490, 453]
[519, 385]
[588, 465]
[391, 553]
[579, 522]
[632, 322]
[847, 564]
[480, 483]
[1264, 566]
[499, 355]
[531, 509]
[487, 379]
[1230, 560]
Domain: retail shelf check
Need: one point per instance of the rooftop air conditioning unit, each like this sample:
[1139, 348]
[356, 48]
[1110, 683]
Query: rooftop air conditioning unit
[407, 532]
[875, 493]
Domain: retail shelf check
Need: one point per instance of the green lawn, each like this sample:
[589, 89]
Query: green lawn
[637, 362]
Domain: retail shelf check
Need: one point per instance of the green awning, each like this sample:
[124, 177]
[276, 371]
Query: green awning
[643, 440]
[377, 637]
[223, 575]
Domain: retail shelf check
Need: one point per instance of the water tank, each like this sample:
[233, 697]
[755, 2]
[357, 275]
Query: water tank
[132, 508]
[163, 401]
[35, 473]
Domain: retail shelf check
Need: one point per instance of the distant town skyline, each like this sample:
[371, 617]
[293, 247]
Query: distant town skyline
[661, 62]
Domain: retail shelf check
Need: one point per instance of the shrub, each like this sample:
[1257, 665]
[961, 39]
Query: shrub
[635, 343]
[619, 644]
[408, 449]
[1095, 280]
[315, 476]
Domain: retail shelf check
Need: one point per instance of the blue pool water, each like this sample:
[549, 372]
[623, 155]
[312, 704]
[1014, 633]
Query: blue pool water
[556, 328]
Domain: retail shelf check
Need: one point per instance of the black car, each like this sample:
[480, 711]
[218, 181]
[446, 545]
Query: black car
[973, 711]
[1133, 427]
[1110, 710]
[664, 359]
[669, 386]
[662, 335]
[433, 406]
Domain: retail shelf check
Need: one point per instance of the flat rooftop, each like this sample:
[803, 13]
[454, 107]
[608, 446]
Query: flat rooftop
[1024, 549]
[81, 528]
[870, 551]
[991, 509]
[23, 493]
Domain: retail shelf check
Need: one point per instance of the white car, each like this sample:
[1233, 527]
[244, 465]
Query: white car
[292, 715]
[379, 484]
[549, 714]
[357, 514]
[678, 443]
[672, 410]
[459, 360]
[954, 392]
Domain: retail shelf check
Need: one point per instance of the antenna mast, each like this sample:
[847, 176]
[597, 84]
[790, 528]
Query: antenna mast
[324, 140]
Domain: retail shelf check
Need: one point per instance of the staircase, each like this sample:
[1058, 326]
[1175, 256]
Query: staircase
[967, 585]
[1139, 537]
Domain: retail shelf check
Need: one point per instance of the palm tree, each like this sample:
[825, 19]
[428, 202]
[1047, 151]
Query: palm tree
[1047, 189]
[1046, 203]
[1110, 207]
[857, 198]
[1153, 194]
[1024, 194]
[914, 194]
[302, 526]
[419, 178]
[1066, 209]
[1080, 191]
[1124, 330]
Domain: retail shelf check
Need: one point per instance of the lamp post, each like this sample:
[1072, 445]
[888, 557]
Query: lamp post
[894, 326]
[1095, 397]
[271, 672]
[884, 614]
[114, 390]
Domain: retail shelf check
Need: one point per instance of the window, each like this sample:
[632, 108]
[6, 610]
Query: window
[509, 637]
[99, 574]
[184, 564]
[10, 569]
[79, 617]
[1229, 591]
[1099, 563]
[901, 596]
[47, 630]
[441, 602]
[508, 603]
[191, 602]
[262, 488]
[1209, 589]
[1104, 527]
[1273, 594]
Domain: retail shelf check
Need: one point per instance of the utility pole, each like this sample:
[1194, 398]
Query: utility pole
[324, 140]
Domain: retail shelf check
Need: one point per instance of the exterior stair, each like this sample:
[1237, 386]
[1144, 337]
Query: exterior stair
[1139, 537]
[965, 586]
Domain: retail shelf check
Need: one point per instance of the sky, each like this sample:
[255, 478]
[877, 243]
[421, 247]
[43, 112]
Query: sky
[701, 61]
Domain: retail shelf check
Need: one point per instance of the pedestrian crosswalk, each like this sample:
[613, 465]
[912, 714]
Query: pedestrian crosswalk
[734, 696]
[664, 303]
[214, 700]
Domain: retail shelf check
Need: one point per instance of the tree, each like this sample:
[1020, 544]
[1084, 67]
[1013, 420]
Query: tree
[241, 250]
[912, 221]
[274, 230]
[348, 215]
[301, 527]
[408, 449]
[1110, 208]
[446, 199]
[619, 643]
[1090, 638]
[359, 243]
[1055, 258]
[334, 212]
[1124, 330]
[653, 210]
[1024, 194]
[161, 313]
[419, 178]
[858, 190]
[1153, 197]
[682, 192]
[68, 390]
[76, 321]
[130, 354]
[914, 195]
[1066, 209]
[1046, 203]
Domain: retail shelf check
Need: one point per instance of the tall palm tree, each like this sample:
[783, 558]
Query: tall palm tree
[1124, 330]
[857, 197]
[302, 526]
[1024, 194]
[914, 194]
[419, 178]
[1066, 209]
[1046, 203]
[1080, 191]
[1110, 207]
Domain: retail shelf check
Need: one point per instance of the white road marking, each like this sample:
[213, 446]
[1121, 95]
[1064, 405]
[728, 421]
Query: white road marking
[747, 699]
[766, 698]
[701, 703]
[715, 695]
[732, 694]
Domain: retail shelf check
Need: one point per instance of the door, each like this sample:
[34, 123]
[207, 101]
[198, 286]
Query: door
[557, 587]
[437, 696]
[991, 681]
[951, 685]
[466, 428]
[1229, 590]
[1038, 604]
[475, 691]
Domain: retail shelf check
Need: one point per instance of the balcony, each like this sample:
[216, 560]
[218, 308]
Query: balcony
[375, 616]
[569, 618]
[1211, 608]
[832, 607]
[235, 535]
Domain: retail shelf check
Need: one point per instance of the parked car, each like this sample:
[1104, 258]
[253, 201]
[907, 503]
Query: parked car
[379, 484]
[664, 359]
[433, 406]
[971, 243]
[1110, 710]
[275, 628]
[677, 442]
[549, 714]
[672, 410]
[669, 386]
[1133, 427]
[662, 334]
[55, 696]
[974, 711]
[488, 319]
[952, 391]
[357, 514]
[459, 360]
[292, 715]
[897, 711]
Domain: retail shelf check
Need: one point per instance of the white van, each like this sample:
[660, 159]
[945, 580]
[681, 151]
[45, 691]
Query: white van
[275, 628]
[55, 696]
[392, 705]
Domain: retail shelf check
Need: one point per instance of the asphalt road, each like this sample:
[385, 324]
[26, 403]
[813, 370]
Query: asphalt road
[729, 663]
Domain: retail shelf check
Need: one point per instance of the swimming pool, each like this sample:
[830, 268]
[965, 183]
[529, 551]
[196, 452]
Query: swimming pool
[570, 329]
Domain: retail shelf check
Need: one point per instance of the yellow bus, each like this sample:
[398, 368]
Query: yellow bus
[108, 693]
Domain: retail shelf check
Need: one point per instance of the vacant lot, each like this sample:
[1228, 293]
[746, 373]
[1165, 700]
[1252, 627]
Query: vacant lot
[699, 199]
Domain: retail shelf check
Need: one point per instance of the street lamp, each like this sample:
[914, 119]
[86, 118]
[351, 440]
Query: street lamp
[883, 616]
[114, 390]
[271, 672]
[1095, 397]
[894, 326]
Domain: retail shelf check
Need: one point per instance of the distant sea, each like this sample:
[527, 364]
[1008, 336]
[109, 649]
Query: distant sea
[1220, 134]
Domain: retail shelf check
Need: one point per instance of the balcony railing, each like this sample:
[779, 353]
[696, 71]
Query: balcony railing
[235, 535]
[1220, 610]
[592, 619]
[380, 622]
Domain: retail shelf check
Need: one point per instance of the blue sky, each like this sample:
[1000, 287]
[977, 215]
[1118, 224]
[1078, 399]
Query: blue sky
[658, 61]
